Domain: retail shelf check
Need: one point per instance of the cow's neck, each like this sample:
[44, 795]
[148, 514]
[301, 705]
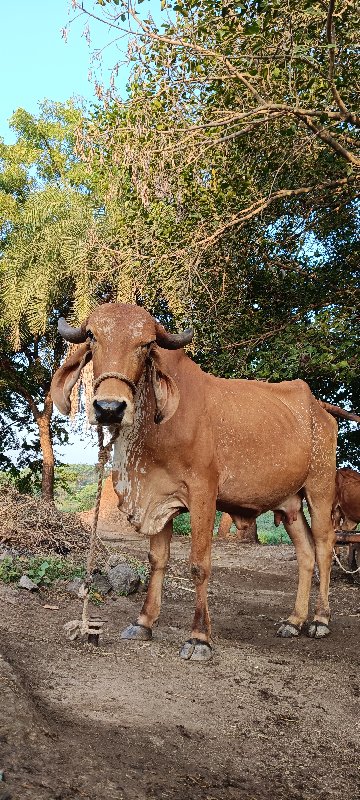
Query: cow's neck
[128, 449]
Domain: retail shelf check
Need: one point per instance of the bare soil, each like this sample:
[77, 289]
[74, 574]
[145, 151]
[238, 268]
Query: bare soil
[266, 718]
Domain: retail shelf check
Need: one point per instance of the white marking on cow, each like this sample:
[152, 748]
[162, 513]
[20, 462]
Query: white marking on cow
[138, 327]
[126, 459]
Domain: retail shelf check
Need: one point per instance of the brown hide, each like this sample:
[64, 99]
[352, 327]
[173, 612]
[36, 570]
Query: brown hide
[347, 499]
[111, 520]
[196, 453]
[246, 529]
[241, 446]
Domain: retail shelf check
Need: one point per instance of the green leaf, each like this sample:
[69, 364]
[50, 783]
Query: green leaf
[250, 28]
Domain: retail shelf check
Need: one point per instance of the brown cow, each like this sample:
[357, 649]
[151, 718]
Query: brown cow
[346, 509]
[189, 440]
[246, 529]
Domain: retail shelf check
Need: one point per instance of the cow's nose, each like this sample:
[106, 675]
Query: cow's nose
[109, 411]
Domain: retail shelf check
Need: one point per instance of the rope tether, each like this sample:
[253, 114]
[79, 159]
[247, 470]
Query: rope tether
[86, 626]
[119, 376]
[348, 571]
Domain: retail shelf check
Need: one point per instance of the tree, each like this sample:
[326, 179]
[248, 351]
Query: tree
[279, 78]
[27, 407]
[45, 217]
[221, 194]
[238, 154]
[209, 147]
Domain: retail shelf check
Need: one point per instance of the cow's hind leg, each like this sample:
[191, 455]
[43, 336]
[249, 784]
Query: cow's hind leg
[300, 535]
[320, 495]
[198, 647]
[324, 538]
[224, 526]
[158, 558]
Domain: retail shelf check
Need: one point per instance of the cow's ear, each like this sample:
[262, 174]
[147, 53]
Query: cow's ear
[67, 375]
[166, 392]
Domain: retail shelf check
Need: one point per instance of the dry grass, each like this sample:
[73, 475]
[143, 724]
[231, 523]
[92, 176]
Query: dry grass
[28, 524]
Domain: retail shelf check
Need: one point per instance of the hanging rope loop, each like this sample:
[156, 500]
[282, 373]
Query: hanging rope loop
[348, 571]
[86, 626]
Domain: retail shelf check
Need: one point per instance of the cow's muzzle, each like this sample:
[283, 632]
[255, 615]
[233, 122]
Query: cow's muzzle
[109, 412]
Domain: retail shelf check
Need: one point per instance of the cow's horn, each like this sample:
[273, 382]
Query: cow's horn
[75, 335]
[172, 341]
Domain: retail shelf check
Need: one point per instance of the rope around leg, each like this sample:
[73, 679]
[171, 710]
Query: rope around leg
[86, 626]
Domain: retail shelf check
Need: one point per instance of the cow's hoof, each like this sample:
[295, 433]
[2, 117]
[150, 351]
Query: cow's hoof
[288, 630]
[317, 630]
[135, 631]
[196, 650]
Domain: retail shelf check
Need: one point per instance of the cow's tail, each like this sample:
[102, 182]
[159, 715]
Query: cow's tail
[336, 411]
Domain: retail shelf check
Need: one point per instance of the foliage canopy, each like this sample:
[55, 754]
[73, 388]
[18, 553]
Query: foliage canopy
[233, 166]
[222, 193]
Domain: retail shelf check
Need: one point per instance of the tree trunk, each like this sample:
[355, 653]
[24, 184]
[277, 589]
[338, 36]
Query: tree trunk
[43, 422]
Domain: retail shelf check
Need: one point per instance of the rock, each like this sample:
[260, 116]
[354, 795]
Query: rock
[113, 561]
[8, 552]
[101, 583]
[76, 587]
[73, 629]
[27, 583]
[123, 579]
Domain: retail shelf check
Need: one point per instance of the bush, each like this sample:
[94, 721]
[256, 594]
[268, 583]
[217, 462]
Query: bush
[267, 532]
[182, 527]
[76, 487]
[278, 536]
[42, 571]
[181, 524]
[10, 570]
[83, 500]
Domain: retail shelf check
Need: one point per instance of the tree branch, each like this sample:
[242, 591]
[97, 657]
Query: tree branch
[268, 334]
[330, 36]
[243, 78]
[328, 139]
[19, 388]
[260, 205]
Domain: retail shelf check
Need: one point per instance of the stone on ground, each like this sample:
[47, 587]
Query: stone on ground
[27, 583]
[76, 587]
[123, 579]
[101, 583]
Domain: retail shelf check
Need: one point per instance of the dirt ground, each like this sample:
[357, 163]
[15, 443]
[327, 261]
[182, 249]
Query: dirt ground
[266, 718]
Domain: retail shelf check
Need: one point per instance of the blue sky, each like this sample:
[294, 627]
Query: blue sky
[36, 64]
[35, 61]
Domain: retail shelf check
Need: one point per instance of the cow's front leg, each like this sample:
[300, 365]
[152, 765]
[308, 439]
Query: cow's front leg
[198, 647]
[158, 558]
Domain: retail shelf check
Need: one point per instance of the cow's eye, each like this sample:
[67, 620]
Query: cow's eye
[146, 347]
[90, 335]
